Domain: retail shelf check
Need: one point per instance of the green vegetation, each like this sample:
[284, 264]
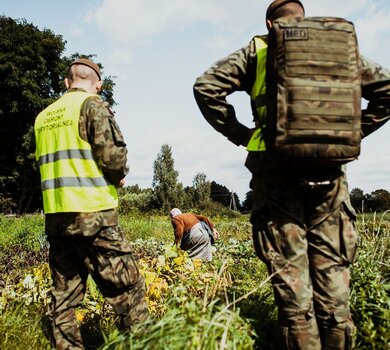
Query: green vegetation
[226, 304]
[370, 297]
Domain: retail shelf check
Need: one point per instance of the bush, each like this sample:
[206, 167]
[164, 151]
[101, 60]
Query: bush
[133, 202]
[7, 205]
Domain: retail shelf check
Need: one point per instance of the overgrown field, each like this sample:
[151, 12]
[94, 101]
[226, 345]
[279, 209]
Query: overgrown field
[225, 304]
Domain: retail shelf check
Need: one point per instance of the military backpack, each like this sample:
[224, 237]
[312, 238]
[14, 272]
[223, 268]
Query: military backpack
[313, 90]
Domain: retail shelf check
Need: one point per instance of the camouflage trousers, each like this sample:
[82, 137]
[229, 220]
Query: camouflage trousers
[303, 230]
[107, 257]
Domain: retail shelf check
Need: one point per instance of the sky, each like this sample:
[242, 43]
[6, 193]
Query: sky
[156, 49]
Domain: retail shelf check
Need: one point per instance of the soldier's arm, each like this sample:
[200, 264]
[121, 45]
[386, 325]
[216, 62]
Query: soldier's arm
[376, 90]
[220, 80]
[99, 128]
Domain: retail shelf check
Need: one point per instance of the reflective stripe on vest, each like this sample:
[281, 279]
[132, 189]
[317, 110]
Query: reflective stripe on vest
[71, 181]
[256, 143]
[66, 154]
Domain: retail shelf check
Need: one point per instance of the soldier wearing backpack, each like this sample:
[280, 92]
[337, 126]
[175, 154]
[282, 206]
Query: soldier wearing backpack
[303, 222]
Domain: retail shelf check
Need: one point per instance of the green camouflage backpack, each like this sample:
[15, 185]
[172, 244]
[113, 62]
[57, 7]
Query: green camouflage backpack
[313, 90]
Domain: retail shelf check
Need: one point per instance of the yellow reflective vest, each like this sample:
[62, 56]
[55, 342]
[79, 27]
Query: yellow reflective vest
[71, 180]
[256, 143]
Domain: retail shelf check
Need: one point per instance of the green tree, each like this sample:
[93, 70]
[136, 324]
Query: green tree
[32, 72]
[220, 194]
[357, 199]
[201, 190]
[378, 200]
[223, 195]
[167, 192]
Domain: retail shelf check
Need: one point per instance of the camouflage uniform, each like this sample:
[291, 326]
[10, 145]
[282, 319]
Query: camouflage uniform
[93, 243]
[303, 223]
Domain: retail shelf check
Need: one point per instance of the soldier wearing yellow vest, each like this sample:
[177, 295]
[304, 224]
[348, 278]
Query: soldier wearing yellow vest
[82, 160]
[303, 223]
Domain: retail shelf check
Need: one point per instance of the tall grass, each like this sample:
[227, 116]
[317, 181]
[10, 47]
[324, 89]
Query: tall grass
[147, 227]
[218, 305]
[370, 295]
[26, 230]
[24, 327]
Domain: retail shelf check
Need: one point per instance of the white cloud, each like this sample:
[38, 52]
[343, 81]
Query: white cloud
[336, 8]
[373, 31]
[132, 21]
[118, 58]
[216, 41]
[371, 171]
[75, 31]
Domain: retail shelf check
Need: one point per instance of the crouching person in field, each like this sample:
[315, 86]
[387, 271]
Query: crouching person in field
[82, 160]
[196, 233]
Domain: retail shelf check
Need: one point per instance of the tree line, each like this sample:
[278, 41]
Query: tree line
[376, 201]
[32, 69]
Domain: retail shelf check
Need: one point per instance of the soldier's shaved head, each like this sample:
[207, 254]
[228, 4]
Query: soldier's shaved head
[82, 72]
[84, 75]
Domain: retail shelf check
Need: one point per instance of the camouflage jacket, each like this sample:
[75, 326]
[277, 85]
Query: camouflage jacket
[237, 72]
[98, 127]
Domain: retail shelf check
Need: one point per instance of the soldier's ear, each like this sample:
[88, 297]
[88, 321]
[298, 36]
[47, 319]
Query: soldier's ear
[268, 23]
[66, 82]
[99, 85]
